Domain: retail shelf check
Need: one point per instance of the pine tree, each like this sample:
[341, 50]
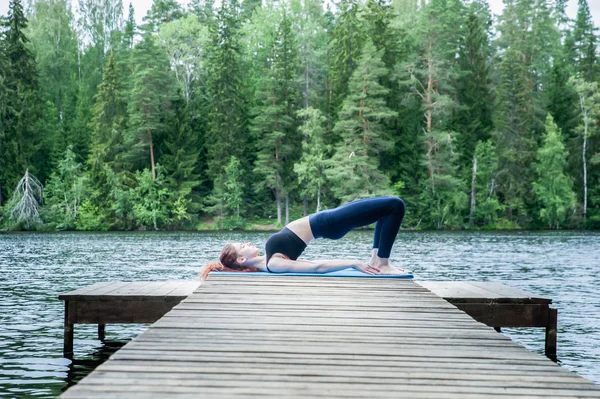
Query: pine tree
[64, 192]
[106, 152]
[444, 195]
[345, 50]
[513, 136]
[54, 43]
[108, 122]
[148, 103]
[181, 148]
[308, 21]
[235, 188]
[80, 130]
[354, 168]
[203, 9]
[151, 199]
[274, 124]
[429, 75]
[552, 187]
[4, 147]
[227, 115]
[585, 43]
[485, 206]
[310, 168]
[161, 12]
[474, 116]
[130, 28]
[22, 100]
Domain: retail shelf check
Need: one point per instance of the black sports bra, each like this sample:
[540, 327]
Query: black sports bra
[285, 242]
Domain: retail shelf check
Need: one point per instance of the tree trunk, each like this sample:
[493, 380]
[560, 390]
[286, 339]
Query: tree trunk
[318, 199]
[473, 181]
[278, 200]
[585, 133]
[152, 156]
[287, 208]
[584, 174]
[429, 114]
[305, 203]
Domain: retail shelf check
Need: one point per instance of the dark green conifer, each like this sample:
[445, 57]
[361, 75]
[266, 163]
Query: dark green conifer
[354, 168]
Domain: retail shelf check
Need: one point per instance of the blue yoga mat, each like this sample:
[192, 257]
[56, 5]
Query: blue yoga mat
[339, 273]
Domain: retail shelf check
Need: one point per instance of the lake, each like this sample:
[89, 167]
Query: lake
[37, 267]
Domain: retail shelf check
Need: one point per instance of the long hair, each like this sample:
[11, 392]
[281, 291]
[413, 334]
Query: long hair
[227, 263]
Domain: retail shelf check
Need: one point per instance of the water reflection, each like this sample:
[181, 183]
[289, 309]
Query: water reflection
[36, 268]
[79, 368]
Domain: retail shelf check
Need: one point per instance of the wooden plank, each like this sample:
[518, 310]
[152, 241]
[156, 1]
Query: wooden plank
[99, 291]
[506, 291]
[84, 290]
[471, 291]
[182, 288]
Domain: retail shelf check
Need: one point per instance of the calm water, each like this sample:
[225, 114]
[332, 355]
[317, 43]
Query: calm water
[35, 268]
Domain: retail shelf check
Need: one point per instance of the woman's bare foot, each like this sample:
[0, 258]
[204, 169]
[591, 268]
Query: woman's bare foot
[373, 256]
[384, 265]
[389, 269]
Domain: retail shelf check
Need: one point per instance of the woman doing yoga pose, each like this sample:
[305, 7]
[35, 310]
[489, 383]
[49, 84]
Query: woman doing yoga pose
[284, 248]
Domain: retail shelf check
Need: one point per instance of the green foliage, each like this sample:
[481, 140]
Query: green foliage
[513, 136]
[310, 168]
[444, 194]
[185, 41]
[588, 95]
[227, 198]
[65, 192]
[344, 52]
[227, 119]
[354, 168]
[149, 102]
[180, 157]
[474, 116]
[487, 206]
[406, 96]
[585, 43]
[151, 200]
[20, 112]
[274, 124]
[234, 185]
[91, 218]
[552, 187]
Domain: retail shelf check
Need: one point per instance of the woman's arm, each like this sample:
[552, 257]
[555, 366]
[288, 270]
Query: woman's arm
[283, 265]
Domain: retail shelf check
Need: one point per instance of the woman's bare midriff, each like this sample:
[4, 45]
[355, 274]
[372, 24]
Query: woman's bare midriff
[301, 228]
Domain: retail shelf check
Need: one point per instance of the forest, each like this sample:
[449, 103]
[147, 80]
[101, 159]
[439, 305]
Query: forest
[230, 115]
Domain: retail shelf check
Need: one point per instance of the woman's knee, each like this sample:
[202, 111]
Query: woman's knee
[398, 205]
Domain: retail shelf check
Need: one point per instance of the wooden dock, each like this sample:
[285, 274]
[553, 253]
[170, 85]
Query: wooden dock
[304, 337]
[497, 305]
[113, 302]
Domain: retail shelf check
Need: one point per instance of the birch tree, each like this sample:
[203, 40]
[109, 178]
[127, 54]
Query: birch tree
[552, 187]
[588, 95]
[185, 40]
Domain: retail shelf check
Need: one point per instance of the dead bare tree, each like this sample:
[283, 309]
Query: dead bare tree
[29, 194]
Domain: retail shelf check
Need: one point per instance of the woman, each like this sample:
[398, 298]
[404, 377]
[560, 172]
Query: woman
[284, 247]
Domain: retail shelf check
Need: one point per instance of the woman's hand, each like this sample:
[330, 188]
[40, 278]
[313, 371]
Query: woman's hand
[366, 268]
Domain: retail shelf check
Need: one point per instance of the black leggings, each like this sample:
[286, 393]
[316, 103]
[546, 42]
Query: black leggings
[386, 211]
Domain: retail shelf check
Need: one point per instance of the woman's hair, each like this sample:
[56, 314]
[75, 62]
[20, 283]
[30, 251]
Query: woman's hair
[227, 263]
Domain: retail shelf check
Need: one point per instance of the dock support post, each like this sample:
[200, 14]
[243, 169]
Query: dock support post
[68, 334]
[101, 332]
[551, 334]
